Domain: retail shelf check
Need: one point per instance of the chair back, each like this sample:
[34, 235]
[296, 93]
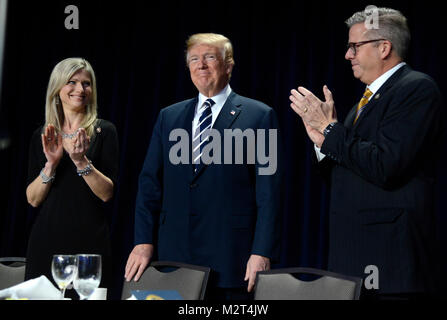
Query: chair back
[12, 271]
[282, 284]
[188, 280]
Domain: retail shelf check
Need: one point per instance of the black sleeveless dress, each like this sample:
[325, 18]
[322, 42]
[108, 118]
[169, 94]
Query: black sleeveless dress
[72, 220]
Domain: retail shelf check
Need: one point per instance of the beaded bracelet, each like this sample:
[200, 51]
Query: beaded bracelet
[86, 170]
[46, 179]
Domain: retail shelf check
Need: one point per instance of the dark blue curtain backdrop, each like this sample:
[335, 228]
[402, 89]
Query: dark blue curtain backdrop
[137, 51]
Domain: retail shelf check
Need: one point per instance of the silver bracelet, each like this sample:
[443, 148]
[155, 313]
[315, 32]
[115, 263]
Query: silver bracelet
[86, 170]
[46, 179]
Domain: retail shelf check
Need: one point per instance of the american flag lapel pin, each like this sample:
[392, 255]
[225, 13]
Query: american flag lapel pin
[232, 112]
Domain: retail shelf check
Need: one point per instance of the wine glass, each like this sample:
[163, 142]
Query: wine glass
[63, 268]
[88, 274]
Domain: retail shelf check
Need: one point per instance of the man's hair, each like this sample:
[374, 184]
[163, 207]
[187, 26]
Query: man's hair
[212, 39]
[392, 25]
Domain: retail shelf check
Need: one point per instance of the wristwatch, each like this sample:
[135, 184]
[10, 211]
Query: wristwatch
[328, 128]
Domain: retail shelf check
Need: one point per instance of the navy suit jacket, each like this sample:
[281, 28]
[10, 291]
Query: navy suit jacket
[382, 173]
[219, 216]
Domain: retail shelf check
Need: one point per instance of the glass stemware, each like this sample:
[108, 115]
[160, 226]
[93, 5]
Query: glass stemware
[88, 274]
[63, 269]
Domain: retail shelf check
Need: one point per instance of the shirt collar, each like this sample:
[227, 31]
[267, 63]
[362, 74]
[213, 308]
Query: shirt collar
[376, 84]
[219, 98]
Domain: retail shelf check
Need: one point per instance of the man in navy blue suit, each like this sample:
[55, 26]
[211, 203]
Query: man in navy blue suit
[223, 214]
[381, 162]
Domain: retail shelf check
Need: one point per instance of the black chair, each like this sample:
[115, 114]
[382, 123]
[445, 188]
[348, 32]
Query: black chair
[188, 280]
[283, 284]
[12, 271]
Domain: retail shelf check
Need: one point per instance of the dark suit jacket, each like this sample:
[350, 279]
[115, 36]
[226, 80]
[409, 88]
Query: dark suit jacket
[382, 173]
[221, 215]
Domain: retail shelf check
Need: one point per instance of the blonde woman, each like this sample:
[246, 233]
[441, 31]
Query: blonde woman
[73, 164]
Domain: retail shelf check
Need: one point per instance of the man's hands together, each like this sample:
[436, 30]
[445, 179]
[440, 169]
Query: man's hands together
[316, 114]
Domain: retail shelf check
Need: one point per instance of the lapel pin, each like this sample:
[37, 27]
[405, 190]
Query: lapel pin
[98, 130]
[377, 96]
[232, 112]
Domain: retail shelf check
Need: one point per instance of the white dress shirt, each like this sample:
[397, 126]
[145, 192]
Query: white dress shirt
[373, 87]
[219, 100]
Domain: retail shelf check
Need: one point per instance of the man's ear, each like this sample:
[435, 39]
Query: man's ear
[385, 49]
[229, 68]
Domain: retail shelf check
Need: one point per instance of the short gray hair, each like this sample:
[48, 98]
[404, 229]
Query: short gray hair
[392, 26]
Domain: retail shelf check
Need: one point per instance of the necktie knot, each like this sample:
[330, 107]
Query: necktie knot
[208, 103]
[202, 132]
[366, 95]
[206, 110]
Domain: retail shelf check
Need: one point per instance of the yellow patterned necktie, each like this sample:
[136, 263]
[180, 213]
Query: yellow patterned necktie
[362, 103]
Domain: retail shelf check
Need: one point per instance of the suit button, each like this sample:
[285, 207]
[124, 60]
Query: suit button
[193, 185]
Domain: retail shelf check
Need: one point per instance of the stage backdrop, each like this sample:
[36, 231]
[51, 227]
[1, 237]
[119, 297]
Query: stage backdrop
[137, 51]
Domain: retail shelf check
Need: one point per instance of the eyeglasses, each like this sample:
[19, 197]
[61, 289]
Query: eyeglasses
[353, 46]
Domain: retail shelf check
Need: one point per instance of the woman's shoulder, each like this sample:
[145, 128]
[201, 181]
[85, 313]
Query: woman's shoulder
[104, 125]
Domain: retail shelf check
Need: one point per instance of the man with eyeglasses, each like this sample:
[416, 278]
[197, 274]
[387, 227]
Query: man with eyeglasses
[222, 216]
[381, 163]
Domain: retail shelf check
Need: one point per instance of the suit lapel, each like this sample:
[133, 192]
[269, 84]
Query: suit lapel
[350, 117]
[230, 111]
[378, 95]
[188, 117]
[228, 114]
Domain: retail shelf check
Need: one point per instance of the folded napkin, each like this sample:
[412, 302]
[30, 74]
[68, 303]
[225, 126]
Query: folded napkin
[35, 289]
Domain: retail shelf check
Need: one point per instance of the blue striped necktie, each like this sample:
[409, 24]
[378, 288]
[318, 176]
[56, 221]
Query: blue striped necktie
[202, 132]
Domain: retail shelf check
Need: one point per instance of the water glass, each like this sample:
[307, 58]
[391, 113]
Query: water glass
[88, 274]
[63, 269]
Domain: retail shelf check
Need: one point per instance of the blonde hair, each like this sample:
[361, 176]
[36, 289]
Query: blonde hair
[212, 39]
[60, 75]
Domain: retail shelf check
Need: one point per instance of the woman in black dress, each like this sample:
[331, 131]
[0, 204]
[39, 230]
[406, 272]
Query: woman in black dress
[73, 165]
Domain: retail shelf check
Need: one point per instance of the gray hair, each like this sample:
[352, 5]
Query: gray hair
[392, 25]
